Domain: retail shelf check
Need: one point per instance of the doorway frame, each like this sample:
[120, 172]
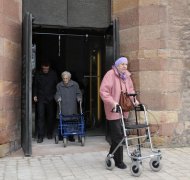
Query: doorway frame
[26, 125]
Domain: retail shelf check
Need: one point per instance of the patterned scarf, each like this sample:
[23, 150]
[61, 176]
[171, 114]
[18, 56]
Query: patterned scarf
[123, 76]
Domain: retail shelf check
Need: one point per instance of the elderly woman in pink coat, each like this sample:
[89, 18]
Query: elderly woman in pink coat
[115, 79]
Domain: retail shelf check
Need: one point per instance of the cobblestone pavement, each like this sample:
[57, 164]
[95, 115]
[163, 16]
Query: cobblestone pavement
[84, 163]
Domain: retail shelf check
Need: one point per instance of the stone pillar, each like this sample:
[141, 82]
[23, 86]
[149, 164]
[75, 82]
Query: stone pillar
[154, 34]
[10, 75]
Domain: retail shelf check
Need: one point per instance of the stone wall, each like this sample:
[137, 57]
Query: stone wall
[155, 35]
[179, 46]
[10, 75]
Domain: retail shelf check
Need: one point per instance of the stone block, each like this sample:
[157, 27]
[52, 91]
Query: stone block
[12, 50]
[2, 119]
[164, 2]
[152, 45]
[4, 149]
[128, 19]
[187, 124]
[10, 132]
[177, 54]
[12, 31]
[4, 135]
[180, 128]
[10, 128]
[172, 101]
[158, 141]
[158, 101]
[1, 6]
[129, 40]
[163, 81]
[123, 5]
[11, 9]
[150, 15]
[161, 64]
[130, 34]
[150, 53]
[179, 9]
[167, 129]
[147, 32]
[175, 44]
[160, 117]
[1, 24]
[149, 46]
[141, 54]
[135, 79]
[153, 64]
[163, 53]
[133, 55]
[1, 103]
[12, 69]
[134, 65]
[148, 2]
[1, 46]
[129, 46]
[1, 88]
[176, 32]
[10, 89]
[2, 68]
[11, 118]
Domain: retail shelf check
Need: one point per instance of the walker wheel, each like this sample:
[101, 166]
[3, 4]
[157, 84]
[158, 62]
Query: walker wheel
[109, 163]
[136, 168]
[64, 141]
[56, 139]
[155, 164]
[82, 141]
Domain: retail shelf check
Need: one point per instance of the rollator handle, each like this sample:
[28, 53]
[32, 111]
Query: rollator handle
[80, 103]
[116, 109]
[134, 94]
[59, 103]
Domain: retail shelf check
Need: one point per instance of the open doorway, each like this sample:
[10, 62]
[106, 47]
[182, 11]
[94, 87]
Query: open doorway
[87, 53]
[81, 52]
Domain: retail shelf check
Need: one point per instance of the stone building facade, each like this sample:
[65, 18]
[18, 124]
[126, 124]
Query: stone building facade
[10, 75]
[154, 34]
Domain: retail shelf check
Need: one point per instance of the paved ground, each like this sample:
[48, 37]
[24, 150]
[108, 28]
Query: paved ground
[54, 162]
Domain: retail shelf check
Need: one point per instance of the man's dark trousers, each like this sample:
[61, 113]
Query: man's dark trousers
[46, 112]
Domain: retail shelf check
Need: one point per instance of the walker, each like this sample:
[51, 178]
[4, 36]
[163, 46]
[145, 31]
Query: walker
[71, 125]
[135, 154]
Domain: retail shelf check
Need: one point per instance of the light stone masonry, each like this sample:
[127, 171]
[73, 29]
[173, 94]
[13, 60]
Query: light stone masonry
[157, 44]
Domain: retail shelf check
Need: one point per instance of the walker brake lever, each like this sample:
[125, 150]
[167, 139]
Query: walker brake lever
[116, 109]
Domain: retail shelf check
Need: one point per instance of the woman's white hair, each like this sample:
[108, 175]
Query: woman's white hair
[66, 73]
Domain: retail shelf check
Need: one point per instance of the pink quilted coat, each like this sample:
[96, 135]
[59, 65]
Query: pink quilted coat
[110, 92]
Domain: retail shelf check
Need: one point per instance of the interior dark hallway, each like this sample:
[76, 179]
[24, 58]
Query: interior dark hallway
[81, 52]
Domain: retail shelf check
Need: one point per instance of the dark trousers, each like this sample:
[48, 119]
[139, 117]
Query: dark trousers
[116, 136]
[46, 117]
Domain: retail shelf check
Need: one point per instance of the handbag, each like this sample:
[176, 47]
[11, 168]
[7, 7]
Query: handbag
[125, 101]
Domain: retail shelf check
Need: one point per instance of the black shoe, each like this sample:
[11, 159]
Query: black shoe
[49, 136]
[40, 140]
[121, 165]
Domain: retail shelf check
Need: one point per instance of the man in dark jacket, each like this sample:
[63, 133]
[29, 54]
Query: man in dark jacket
[44, 90]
